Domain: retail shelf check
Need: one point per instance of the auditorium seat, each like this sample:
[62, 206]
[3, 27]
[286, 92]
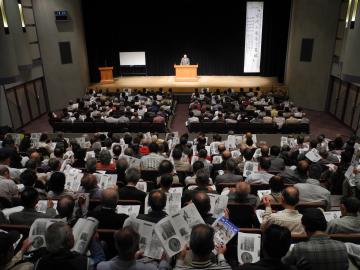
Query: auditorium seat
[242, 215]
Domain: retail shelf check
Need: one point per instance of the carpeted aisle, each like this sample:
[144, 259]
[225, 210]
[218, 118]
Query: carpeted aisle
[180, 117]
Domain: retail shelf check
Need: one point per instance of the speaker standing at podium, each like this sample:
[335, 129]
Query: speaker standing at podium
[185, 60]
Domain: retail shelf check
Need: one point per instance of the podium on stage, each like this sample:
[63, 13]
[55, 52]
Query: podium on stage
[186, 73]
[106, 75]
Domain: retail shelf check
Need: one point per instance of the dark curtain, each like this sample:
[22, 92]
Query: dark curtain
[211, 33]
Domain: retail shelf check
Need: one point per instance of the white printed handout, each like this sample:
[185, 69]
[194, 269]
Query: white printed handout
[130, 210]
[249, 245]
[259, 214]
[83, 231]
[218, 204]
[8, 211]
[332, 215]
[217, 159]
[174, 231]
[107, 181]
[176, 190]
[231, 141]
[38, 230]
[41, 206]
[262, 193]
[224, 231]
[235, 153]
[141, 185]
[214, 148]
[149, 241]
[73, 180]
[350, 176]
[313, 155]
[250, 167]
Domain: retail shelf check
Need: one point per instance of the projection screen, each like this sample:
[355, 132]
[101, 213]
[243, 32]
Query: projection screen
[132, 59]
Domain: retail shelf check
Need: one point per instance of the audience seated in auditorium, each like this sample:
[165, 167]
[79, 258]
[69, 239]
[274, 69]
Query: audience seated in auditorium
[153, 159]
[130, 192]
[289, 217]
[157, 203]
[276, 185]
[201, 247]
[29, 199]
[127, 244]
[229, 175]
[262, 176]
[241, 194]
[276, 242]
[349, 221]
[59, 242]
[8, 188]
[299, 175]
[319, 252]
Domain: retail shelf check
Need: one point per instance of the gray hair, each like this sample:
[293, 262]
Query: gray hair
[122, 164]
[58, 236]
[105, 156]
[132, 175]
[91, 165]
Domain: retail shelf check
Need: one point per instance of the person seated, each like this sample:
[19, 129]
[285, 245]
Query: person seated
[276, 241]
[89, 184]
[311, 190]
[152, 160]
[29, 199]
[192, 118]
[8, 188]
[166, 181]
[9, 260]
[277, 163]
[229, 176]
[299, 175]
[178, 163]
[202, 202]
[191, 180]
[201, 247]
[66, 206]
[289, 217]
[241, 194]
[130, 192]
[262, 176]
[127, 242]
[157, 203]
[159, 118]
[319, 252]
[276, 185]
[349, 221]
[105, 161]
[59, 242]
[105, 213]
[56, 185]
[166, 167]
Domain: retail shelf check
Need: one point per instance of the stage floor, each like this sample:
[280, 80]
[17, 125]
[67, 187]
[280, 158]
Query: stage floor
[211, 82]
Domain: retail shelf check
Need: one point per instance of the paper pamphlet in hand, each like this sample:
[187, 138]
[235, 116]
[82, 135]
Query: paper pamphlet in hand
[332, 215]
[8, 211]
[173, 203]
[353, 250]
[313, 155]
[130, 210]
[38, 230]
[231, 141]
[41, 206]
[350, 176]
[174, 231]
[250, 167]
[83, 231]
[235, 153]
[218, 204]
[141, 185]
[107, 180]
[262, 193]
[214, 148]
[224, 231]
[217, 159]
[149, 241]
[259, 214]
[249, 245]
[176, 190]
[73, 180]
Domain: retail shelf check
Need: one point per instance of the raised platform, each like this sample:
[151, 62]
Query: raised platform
[211, 82]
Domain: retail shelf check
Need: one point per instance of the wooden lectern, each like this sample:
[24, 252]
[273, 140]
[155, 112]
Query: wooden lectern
[106, 75]
[186, 73]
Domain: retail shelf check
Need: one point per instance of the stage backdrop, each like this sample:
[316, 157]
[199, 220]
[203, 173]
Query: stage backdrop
[211, 33]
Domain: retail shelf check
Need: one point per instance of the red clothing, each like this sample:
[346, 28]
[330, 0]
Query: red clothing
[105, 167]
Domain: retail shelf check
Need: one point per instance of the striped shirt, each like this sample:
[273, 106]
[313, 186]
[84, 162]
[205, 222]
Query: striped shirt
[151, 161]
[220, 265]
[288, 218]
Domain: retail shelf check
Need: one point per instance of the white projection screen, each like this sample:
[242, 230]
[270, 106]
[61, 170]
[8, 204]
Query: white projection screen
[253, 36]
[132, 59]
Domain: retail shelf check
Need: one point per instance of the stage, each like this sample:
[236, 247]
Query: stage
[212, 82]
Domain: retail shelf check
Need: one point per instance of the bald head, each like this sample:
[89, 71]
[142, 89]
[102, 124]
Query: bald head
[265, 150]
[221, 148]
[65, 206]
[157, 200]
[89, 182]
[226, 155]
[242, 188]
[109, 197]
[290, 196]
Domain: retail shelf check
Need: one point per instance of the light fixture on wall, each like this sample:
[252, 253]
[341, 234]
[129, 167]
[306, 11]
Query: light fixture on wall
[4, 17]
[21, 16]
[353, 16]
[348, 14]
